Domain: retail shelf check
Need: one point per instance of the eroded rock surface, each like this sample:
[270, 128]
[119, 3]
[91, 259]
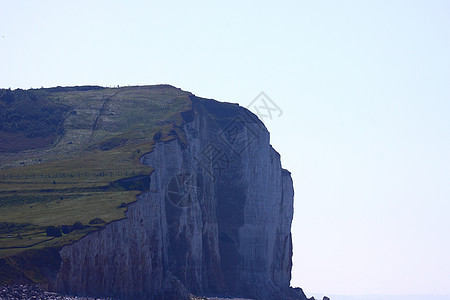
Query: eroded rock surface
[215, 220]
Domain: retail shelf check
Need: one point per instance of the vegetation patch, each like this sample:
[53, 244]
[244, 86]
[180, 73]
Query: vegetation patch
[96, 221]
[28, 120]
[136, 183]
[11, 228]
[53, 196]
[19, 200]
[31, 266]
[112, 143]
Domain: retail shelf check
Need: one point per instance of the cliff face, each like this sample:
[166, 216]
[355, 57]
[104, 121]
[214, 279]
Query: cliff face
[215, 220]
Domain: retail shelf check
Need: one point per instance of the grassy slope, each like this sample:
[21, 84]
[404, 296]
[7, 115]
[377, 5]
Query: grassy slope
[106, 131]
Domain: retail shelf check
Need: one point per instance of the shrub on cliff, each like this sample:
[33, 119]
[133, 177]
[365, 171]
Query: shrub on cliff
[96, 221]
[53, 231]
[157, 136]
[66, 229]
[78, 226]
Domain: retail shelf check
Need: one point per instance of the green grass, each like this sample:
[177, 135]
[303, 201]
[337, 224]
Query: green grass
[106, 132]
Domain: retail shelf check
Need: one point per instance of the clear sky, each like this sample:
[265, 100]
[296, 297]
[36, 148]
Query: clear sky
[364, 87]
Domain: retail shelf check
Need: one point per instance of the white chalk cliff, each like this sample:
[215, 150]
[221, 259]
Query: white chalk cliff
[216, 219]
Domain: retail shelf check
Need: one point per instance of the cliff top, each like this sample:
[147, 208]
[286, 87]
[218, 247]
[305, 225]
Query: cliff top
[69, 157]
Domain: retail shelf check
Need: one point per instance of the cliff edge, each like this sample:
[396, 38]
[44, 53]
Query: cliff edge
[216, 219]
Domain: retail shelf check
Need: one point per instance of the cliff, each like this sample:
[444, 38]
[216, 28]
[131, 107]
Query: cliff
[142, 192]
[215, 219]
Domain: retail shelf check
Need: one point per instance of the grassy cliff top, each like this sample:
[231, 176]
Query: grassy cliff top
[71, 154]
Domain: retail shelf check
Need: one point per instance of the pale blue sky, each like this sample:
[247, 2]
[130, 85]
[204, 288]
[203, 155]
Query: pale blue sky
[364, 87]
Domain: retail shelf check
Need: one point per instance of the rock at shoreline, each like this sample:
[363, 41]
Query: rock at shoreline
[27, 292]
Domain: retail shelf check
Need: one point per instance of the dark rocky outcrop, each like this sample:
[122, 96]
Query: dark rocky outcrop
[216, 219]
[27, 292]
